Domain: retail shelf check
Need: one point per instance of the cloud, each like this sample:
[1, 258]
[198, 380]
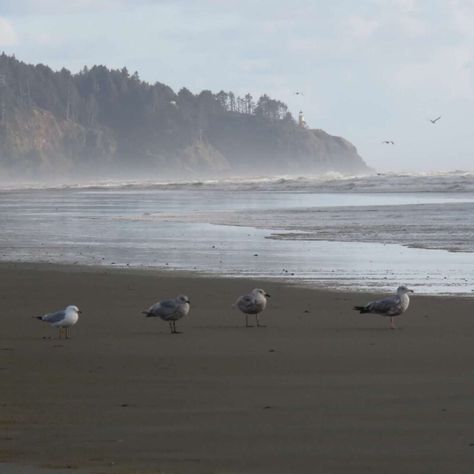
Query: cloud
[413, 27]
[361, 28]
[59, 7]
[463, 17]
[449, 72]
[407, 6]
[8, 35]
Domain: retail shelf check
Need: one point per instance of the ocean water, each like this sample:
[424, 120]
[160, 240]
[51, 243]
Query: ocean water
[357, 233]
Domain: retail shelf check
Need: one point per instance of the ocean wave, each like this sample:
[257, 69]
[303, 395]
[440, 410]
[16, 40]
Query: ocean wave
[458, 181]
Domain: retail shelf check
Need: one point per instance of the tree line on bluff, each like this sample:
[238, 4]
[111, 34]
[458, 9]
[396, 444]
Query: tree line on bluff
[115, 97]
[109, 117]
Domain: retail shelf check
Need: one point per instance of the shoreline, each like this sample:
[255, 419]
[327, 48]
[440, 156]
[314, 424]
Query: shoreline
[163, 271]
[188, 229]
[320, 389]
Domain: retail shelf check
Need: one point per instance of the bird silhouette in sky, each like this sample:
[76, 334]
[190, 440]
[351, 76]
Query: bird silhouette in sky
[388, 142]
[434, 120]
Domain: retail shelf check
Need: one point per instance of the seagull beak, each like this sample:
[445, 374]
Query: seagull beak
[267, 295]
[411, 291]
[80, 312]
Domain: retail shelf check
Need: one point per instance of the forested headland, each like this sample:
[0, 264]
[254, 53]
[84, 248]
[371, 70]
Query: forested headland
[105, 122]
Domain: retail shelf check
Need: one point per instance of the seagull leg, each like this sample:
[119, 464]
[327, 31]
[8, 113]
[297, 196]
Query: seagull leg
[67, 333]
[258, 322]
[246, 320]
[392, 324]
[174, 326]
[60, 332]
[171, 326]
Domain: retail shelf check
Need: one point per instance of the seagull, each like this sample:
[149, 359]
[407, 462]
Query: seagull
[434, 120]
[63, 319]
[390, 307]
[388, 142]
[252, 303]
[298, 93]
[170, 310]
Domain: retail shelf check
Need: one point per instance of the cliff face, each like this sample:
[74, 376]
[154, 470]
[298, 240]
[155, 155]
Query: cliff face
[283, 146]
[106, 123]
[35, 143]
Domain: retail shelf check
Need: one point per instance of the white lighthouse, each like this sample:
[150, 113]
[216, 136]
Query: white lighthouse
[301, 120]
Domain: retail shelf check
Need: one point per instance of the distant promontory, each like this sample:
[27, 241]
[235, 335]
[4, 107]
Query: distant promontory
[109, 123]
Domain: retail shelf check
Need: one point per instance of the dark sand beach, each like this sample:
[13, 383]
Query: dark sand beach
[320, 389]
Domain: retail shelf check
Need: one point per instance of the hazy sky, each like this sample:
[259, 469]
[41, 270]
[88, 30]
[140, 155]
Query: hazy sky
[369, 70]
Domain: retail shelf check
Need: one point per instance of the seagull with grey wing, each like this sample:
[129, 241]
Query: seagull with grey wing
[62, 320]
[252, 303]
[170, 310]
[390, 307]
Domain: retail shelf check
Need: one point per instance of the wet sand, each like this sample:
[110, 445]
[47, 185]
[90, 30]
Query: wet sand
[320, 389]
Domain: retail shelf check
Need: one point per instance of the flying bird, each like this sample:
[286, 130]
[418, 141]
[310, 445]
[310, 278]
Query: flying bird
[63, 319]
[434, 120]
[298, 93]
[388, 142]
[389, 307]
[170, 310]
[252, 303]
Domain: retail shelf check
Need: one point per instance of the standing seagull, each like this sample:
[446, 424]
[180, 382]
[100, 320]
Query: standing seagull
[252, 303]
[170, 310]
[434, 120]
[390, 307]
[63, 319]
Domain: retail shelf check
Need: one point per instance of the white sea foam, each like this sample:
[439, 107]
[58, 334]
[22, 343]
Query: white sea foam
[455, 181]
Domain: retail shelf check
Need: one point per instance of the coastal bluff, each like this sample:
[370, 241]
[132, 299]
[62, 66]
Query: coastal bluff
[107, 123]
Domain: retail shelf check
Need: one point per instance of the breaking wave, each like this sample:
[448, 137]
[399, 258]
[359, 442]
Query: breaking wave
[439, 182]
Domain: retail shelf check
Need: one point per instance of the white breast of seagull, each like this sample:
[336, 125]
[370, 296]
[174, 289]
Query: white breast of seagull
[260, 300]
[70, 318]
[252, 303]
[404, 302]
[182, 310]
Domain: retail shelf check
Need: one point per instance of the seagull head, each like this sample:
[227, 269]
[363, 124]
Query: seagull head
[401, 290]
[259, 291]
[73, 308]
[183, 299]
